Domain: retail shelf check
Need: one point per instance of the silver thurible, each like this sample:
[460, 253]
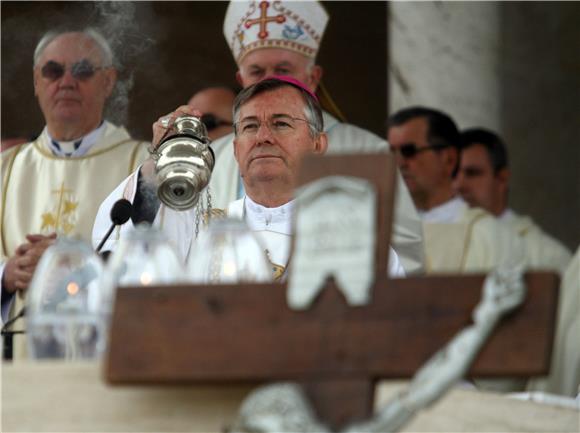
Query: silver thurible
[183, 163]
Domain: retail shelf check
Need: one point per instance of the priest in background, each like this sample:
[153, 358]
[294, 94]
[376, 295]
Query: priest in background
[483, 181]
[54, 184]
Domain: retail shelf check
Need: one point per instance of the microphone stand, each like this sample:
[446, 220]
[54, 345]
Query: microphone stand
[120, 214]
[105, 237]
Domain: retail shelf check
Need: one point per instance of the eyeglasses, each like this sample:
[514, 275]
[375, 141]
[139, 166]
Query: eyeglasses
[82, 70]
[211, 122]
[411, 150]
[277, 124]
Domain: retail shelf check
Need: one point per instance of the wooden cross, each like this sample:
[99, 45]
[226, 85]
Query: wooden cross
[247, 333]
[264, 19]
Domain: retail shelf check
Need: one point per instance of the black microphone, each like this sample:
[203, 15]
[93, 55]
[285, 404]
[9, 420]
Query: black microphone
[120, 214]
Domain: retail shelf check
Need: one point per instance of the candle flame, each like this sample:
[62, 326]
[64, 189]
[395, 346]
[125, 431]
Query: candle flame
[145, 279]
[72, 288]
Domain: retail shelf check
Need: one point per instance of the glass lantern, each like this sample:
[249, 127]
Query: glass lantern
[64, 303]
[143, 258]
[228, 252]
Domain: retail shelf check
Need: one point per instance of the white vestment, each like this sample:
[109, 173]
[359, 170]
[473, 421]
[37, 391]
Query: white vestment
[343, 138]
[542, 250]
[564, 377]
[272, 225]
[44, 193]
[460, 239]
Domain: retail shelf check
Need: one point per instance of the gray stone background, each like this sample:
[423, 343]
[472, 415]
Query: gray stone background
[509, 66]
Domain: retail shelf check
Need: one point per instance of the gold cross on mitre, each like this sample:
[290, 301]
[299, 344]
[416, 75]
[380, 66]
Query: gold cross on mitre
[264, 19]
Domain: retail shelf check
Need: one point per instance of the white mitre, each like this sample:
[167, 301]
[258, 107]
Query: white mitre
[292, 25]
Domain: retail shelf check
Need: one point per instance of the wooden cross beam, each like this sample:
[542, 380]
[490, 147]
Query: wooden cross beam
[232, 333]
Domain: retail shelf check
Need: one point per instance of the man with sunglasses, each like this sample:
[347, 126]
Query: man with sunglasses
[56, 183]
[288, 45]
[457, 238]
[216, 105]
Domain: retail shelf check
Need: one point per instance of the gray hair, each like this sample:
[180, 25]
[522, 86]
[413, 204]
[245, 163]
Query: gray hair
[100, 41]
[312, 110]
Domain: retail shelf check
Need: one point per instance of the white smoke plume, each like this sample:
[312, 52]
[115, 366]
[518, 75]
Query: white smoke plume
[124, 30]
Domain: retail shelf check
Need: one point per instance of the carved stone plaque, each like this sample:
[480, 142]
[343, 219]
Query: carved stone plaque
[335, 236]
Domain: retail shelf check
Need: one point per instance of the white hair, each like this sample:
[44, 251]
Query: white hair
[100, 41]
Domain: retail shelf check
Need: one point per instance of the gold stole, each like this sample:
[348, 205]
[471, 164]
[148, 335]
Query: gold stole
[447, 244]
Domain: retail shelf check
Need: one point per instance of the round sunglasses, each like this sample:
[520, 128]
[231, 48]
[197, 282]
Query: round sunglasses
[82, 70]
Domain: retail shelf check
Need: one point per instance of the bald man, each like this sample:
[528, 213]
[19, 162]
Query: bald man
[216, 105]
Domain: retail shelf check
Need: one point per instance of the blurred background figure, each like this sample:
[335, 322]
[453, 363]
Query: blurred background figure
[216, 105]
[483, 181]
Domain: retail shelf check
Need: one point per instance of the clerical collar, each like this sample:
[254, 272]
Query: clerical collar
[448, 212]
[75, 148]
[277, 219]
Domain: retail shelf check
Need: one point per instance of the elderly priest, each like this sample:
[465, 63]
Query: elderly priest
[56, 183]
